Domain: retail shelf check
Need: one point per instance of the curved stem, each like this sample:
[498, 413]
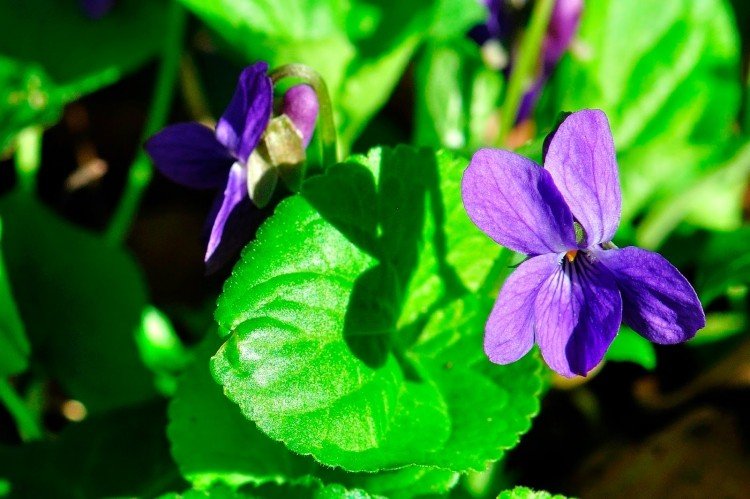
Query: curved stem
[27, 424]
[141, 171]
[28, 157]
[523, 71]
[326, 125]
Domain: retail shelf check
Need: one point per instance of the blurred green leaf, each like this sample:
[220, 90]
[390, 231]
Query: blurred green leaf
[723, 264]
[289, 361]
[213, 443]
[457, 98]
[81, 301]
[14, 345]
[527, 493]
[80, 54]
[671, 88]
[454, 18]
[629, 346]
[121, 454]
[27, 97]
[218, 491]
[161, 349]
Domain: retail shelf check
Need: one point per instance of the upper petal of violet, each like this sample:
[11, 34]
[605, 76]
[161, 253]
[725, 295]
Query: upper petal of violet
[581, 159]
[578, 311]
[189, 154]
[515, 202]
[301, 105]
[246, 118]
[658, 302]
[509, 332]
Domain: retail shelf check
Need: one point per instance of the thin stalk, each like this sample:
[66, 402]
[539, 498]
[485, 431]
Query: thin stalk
[524, 69]
[26, 422]
[141, 171]
[28, 157]
[326, 127]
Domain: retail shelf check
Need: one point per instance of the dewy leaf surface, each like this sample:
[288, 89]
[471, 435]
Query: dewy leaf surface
[363, 394]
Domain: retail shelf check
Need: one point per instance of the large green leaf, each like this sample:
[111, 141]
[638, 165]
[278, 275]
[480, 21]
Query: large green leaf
[27, 97]
[527, 493]
[360, 47]
[14, 346]
[120, 454]
[325, 321]
[671, 89]
[78, 53]
[81, 301]
[213, 443]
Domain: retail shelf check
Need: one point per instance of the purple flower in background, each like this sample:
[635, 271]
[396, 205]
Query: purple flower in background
[575, 289]
[197, 156]
[96, 9]
[499, 29]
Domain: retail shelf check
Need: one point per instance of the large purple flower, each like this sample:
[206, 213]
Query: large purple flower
[197, 156]
[575, 289]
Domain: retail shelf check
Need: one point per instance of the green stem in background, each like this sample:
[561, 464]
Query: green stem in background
[28, 157]
[142, 170]
[524, 69]
[326, 127]
[26, 422]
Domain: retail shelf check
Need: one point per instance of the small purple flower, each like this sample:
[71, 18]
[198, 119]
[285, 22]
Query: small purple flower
[197, 156]
[96, 9]
[575, 289]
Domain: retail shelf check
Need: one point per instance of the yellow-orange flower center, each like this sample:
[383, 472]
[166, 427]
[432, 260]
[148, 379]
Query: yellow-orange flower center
[571, 255]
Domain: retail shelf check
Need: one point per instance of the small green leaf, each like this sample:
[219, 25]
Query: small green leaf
[213, 443]
[27, 98]
[300, 316]
[527, 493]
[629, 346]
[81, 301]
[335, 491]
[458, 98]
[14, 345]
[78, 53]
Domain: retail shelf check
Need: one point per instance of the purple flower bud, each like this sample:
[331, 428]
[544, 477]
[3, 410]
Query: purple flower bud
[563, 25]
[96, 9]
[301, 106]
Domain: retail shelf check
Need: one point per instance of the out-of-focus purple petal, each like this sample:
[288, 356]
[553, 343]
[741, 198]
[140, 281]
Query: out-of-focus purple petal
[189, 154]
[248, 113]
[96, 9]
[234, 193]
[529, 100]
[581, 159]
[563, 25]
[515, 202]
[509, 332]
[578, 311]
[301, 105]
[658, 302]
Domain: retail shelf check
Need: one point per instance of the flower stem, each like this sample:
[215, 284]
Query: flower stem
[524, 70]
[326, 126]
[29, 157]
[27, 424]
[142, 170]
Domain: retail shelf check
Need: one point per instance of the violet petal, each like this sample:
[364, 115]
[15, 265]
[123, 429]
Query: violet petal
[578, 311]
[515, 202]
[234, 193]
[189, 154]
[301, 105]
[581, 159]
[245, 119]
[509, 333]
[239, 229]
[658, 302]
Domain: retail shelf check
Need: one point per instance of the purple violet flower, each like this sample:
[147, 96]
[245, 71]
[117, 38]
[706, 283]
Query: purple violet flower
[197, 156]
[96, 9]
[576, 287]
